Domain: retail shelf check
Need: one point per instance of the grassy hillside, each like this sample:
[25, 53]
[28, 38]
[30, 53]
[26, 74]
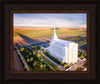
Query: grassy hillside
[47, 33]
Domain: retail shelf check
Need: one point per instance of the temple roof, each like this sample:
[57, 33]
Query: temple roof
[62, 43]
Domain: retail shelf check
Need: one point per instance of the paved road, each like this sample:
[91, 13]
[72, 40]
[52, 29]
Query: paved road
[59, 66]
[17, 66]
[78, 64]
[23, 60]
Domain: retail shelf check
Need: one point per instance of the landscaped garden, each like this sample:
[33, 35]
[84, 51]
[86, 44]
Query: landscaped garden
[33, 60]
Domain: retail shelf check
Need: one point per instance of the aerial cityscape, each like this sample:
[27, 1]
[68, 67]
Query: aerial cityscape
[50, 42]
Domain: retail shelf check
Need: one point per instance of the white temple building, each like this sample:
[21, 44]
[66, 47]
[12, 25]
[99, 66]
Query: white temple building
[66, 51]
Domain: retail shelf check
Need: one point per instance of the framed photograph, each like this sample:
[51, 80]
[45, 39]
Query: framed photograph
[49, 41]
[38, 48]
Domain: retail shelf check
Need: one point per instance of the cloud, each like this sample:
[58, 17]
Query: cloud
[50, 20]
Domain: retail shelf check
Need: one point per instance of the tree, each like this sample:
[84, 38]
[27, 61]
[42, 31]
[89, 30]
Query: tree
[27, 56]
[28, 59]
[20, 58]
[38, 55]
[48, 44]
[81, 57]
[44, 51]
[34, 63]
[58, 59]
[41, 60]
[41, 66]
[24, 67]
[65, 65]
[30, 53]
[62, 63]
[44, 65]
[41, 48]
[34, 52]
[22, 49]
[37, 51]
[31, 59]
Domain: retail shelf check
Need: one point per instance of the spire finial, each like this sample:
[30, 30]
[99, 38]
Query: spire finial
[54, 37]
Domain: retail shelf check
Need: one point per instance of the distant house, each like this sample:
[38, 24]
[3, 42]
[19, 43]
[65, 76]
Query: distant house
[66, 51]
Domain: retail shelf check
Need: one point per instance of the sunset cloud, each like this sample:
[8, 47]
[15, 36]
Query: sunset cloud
[50, 20]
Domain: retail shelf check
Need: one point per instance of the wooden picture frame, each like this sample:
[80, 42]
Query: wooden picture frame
[6, 63]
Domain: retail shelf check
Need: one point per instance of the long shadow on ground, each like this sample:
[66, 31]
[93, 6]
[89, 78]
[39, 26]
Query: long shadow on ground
[26, 41]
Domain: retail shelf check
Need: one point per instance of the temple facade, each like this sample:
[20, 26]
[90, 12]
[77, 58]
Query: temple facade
[66, 51]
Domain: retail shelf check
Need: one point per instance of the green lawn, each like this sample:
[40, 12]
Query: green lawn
[47, 33]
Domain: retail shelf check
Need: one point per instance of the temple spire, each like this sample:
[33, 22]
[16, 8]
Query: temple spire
[54, 37]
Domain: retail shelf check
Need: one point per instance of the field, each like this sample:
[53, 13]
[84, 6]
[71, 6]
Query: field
[43, 32]
[28, 36]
